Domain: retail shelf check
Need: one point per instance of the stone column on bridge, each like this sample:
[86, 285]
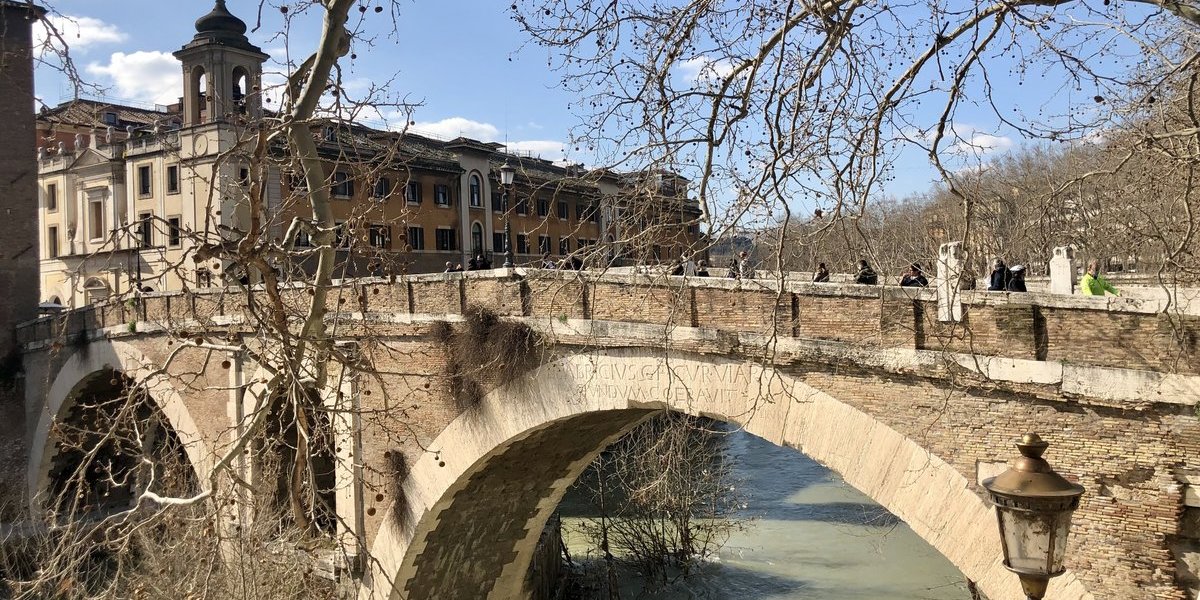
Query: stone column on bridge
[1062, 271]
[949, 272]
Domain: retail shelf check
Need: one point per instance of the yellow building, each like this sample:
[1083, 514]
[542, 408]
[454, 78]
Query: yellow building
[130, 203]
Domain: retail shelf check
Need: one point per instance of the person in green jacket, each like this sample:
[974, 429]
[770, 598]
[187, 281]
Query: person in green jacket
[1093, 284]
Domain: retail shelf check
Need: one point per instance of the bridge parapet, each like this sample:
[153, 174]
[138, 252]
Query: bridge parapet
[1101, 331]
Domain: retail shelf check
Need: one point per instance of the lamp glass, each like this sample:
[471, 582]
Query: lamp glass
[507, 173]
[1027, 541]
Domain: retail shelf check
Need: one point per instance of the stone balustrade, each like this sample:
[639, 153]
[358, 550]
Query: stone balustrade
[1101, 331]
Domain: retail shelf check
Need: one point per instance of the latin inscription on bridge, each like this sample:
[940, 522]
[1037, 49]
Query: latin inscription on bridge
[676, 382]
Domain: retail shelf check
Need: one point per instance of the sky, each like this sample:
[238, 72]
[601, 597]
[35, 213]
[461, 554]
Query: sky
[462, 60]
[465, 62]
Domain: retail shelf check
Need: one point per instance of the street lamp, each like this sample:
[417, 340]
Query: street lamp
[1034, 506]
[506, 179]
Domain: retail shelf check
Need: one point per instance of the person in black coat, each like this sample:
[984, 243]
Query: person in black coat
[1016, 279]
[822, 274]
[866, 275]
[914, 277]
[999, 279]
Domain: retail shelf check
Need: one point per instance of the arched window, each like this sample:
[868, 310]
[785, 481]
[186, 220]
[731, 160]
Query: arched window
[241, 85]
[476, 238]
[476, 191]
[196, 88]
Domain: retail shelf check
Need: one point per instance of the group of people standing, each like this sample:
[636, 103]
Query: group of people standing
[1005, 278]
[479, 262]
[912, 277]
[1012, 279]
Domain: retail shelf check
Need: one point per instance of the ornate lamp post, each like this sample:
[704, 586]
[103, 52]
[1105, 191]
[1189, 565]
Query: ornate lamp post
[506, 179]
[1034, 506]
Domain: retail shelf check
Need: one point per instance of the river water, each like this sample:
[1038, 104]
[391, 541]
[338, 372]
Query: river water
[813, 537]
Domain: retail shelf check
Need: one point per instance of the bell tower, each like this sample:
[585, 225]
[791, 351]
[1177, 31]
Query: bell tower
[222, 71]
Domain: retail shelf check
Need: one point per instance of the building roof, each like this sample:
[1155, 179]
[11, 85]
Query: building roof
[92, 113]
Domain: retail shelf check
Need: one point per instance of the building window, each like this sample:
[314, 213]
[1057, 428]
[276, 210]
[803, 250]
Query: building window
[441, 195]
[343, 186]
[416, 237]
[203, 278]
[383, 188]
[146, 229]
[445, 239]
[341, 235]
[110, 118]
[143, 176]
[412, 192]
[303, 240]
[173, 179]
[522, 244]
[297, 182]
[380, 236]
[52, 197]
[243, 176]
[522, 206]
[564, 246]
[594, 214]
[543, 207]
[544, 244]
[497, 201]
[96, 217]
[52, 242]
[476, 192]
[562, 210]
[476, 238]
[497, 241]
[173, 231]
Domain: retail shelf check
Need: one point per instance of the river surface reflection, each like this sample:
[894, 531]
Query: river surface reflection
[814, 537]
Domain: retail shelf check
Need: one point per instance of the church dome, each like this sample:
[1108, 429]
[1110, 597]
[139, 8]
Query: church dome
[220, 23]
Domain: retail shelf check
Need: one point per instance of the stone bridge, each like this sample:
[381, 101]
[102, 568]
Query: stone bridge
[449, 496]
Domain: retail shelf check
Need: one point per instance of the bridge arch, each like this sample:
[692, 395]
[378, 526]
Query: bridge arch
[84, 366]
[473, 507]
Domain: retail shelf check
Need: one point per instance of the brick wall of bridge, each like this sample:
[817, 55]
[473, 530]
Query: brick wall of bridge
[1108, 332]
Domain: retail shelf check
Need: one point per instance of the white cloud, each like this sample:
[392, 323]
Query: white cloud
[152, 77]
[982, 143]
[548, 149]
[78, 32]
[704, 69]
[967, 140]
[453, 127]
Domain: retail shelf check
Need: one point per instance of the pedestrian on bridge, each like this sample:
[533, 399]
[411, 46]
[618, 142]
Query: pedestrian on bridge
[913, 277]
[1094, 284]
[822, 274]
[866, 275]
[745, 267]
[1016, 279]
[999, 279]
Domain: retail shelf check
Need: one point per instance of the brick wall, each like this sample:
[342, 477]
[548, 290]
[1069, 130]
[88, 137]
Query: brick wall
[19, 276]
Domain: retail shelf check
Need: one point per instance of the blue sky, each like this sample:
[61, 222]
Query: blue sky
[464, 60]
